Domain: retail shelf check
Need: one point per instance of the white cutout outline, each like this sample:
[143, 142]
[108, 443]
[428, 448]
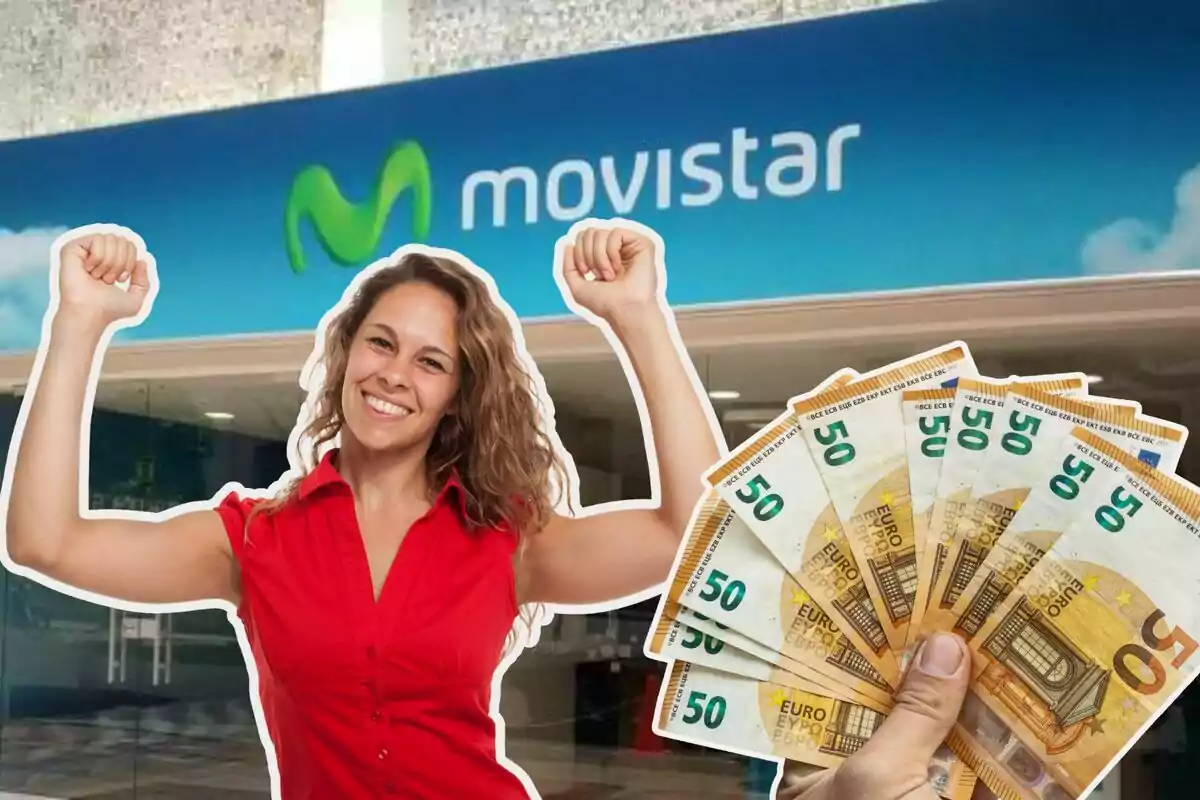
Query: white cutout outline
[310, 379]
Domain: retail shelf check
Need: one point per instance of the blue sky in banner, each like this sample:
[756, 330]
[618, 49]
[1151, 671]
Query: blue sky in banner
[979, 141]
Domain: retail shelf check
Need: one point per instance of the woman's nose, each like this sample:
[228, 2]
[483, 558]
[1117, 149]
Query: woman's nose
[396, 374]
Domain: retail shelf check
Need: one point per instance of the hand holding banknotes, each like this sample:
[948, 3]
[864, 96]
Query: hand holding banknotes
[894, 763]
[1041, 525]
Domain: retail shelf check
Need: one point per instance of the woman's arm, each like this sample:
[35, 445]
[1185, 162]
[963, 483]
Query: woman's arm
[187, 557]
[615, 553]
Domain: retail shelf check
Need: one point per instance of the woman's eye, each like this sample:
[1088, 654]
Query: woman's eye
[380, 342]
[434, 364]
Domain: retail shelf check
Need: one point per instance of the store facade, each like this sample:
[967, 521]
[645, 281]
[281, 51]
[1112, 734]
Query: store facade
[836, 193]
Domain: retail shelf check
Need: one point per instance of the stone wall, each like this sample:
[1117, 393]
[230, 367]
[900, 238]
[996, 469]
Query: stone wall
[72, 64]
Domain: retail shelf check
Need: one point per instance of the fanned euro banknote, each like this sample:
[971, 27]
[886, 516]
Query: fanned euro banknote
[1039, 522]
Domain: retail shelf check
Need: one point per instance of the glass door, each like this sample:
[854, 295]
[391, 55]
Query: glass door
[197, 734]
[70, 709]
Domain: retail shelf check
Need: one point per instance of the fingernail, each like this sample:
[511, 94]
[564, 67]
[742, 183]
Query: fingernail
[941, 655]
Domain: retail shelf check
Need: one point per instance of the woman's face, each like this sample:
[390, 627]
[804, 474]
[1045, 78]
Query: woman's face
[402, 373]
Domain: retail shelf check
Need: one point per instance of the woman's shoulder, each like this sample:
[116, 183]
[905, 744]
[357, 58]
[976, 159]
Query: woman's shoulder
[234, 499]
[235, 502]
[244, 513]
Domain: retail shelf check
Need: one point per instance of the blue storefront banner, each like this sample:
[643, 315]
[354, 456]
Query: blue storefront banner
[948, 143]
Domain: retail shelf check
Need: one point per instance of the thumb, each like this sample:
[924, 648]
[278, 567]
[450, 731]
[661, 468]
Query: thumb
[139, 279]
[927, 703]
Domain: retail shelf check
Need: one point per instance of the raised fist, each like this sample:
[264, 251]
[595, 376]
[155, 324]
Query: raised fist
[91, 266]
[607, 270]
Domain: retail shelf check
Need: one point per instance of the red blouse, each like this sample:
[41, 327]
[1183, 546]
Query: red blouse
[376, 699]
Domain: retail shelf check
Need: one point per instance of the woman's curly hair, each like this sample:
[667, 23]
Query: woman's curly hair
[510, 470]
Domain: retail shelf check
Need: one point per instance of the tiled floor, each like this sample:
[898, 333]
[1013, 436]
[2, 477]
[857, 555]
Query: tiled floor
[92, 762]
[174, 791]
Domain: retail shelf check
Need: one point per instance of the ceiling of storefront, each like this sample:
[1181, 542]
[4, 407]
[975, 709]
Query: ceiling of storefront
[764, 379]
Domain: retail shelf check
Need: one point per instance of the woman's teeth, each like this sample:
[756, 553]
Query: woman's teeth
[384, 407]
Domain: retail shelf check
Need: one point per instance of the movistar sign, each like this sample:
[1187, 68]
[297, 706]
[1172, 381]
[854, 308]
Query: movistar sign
[787, 164]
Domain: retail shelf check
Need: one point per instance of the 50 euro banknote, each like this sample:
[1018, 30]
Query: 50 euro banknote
[726, 574]
[1093, 644]
[855, 437]
[772, 484]
[960, 436]
[1036, 486]
[714, 708]
[1020, 445]
[777, 492]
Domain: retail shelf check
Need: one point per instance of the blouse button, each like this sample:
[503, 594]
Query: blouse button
[376, 716]
[383, 754]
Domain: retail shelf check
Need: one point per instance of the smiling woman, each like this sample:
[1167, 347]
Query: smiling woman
[377, 588]
[421, 360]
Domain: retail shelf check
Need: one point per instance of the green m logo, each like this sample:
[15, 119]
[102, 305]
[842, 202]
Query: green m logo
[348, 232]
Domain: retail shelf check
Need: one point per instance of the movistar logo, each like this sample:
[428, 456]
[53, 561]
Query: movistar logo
[349, 232]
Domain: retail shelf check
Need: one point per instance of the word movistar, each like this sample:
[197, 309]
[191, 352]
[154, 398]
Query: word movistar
[693, 177]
